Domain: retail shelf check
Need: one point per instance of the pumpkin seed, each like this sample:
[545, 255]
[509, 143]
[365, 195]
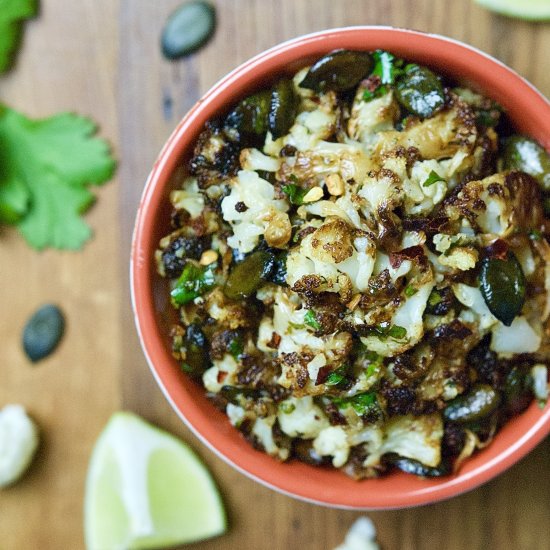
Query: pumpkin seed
[250, 115]
[188, 28]
[521, 153]
[411, 466]
[479, 403]
[246, 277]
[502, 284]
[339, 71]
[420, 91]
[43, 332]
[283, 108]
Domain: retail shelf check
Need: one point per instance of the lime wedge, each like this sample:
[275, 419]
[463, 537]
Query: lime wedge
[146, 489]
[534, 10]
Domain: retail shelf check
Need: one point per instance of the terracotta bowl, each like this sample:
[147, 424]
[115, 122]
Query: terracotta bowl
[528, 110]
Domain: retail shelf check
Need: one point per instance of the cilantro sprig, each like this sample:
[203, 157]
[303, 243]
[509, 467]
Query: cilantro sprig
[433, 177]
[46, 169]
[362, 403]
[310, 319]
[295, 193]
[387, 68]
[194, 281]
[383, 331]
[12, 15]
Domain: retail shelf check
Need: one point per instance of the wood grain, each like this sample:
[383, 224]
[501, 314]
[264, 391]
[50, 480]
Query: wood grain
[101, 58]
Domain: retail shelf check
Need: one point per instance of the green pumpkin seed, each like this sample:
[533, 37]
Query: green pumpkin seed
[420, 91]
[43, 332]
[283, 108]
[526, 155]
[250, 115]
[340, 70]
[246, 277]
[411, 466]
[479, 403]
[502, 284]
[518, 390]
[188, 28]
[196, 354]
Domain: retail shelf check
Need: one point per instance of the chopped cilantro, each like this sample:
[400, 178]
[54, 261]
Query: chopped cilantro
[397, 332]
[362, 403]
[337, 377]
[311, 320]
[387, 68]
[236, 347]
[385, 331]
[12, 15]
[410, 291]
[295, 193]
[46, 167]
[286, 408]
[433, 177]
[194, 281]
[434, 298]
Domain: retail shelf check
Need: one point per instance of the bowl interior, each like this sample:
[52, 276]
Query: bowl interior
[529, 112]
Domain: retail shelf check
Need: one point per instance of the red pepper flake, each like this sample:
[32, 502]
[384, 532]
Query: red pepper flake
[322, 374]
[497, 250]
[221, 376]
[274, 342]
[372, 83]
[411, 253]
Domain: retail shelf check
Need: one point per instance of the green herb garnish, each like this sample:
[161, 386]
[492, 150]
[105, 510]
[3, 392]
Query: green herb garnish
[12, 15]
[286, 408]
[337, 376]
[384, 331]
[410, 291]
[434, 298]
[194, 281]
[535, 235]
[434, 177]
[236, 347]
[362, 403]
[47, 167]
[311, 320]
[295, 193]
[387, 68]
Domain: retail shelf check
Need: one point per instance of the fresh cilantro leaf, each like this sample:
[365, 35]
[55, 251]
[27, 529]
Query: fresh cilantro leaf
[311, 320]
[434, 298]
[362, 403]
[194, 281]
[432, 178]
[236, 347]
[397, 332]
[410, 291]
[387, 68]
[286, 408]
[46, 167]
[14, 200]
[295, 193]
[337, 376]
[12, 14]
[383, 331]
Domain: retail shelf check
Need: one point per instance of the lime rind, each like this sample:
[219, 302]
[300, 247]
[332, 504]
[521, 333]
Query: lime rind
[531, 10]
[146, 489]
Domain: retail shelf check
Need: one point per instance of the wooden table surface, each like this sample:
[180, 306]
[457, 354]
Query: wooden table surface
[101, 58]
